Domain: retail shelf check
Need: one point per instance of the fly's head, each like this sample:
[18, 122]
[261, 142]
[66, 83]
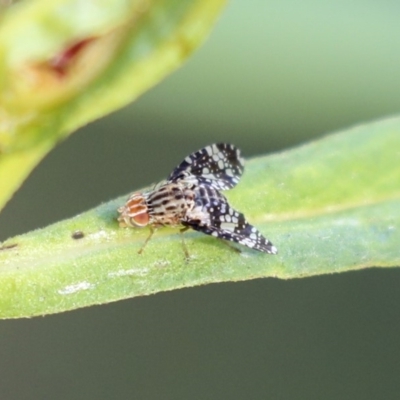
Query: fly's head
[135, 212]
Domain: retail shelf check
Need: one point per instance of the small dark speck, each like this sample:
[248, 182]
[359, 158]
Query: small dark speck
[78, 235]
[8, 246]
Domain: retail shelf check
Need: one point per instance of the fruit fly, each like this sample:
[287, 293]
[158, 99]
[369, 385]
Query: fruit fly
[191, 198]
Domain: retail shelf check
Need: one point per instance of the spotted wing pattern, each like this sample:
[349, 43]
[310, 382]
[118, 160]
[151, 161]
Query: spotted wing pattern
[218, 165]
[226, 223]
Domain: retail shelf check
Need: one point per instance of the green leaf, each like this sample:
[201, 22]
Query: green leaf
[64, 63]
[329, 206]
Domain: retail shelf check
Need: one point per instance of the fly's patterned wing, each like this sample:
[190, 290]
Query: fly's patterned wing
[218, 165]
[226, 223]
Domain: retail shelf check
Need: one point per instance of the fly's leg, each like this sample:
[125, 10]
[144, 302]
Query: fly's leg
[185, 250]
[152, 230]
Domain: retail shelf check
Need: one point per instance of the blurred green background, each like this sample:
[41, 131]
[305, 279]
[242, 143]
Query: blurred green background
[272, 75]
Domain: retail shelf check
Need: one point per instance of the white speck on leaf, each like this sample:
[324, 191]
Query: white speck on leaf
[101, 235]
[125, 272]
[70, 289]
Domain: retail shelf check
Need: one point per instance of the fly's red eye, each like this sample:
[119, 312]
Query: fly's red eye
[135, 212]
[141, 218]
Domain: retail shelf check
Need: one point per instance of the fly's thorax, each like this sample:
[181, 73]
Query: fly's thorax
[135, 211]
[169, 203]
